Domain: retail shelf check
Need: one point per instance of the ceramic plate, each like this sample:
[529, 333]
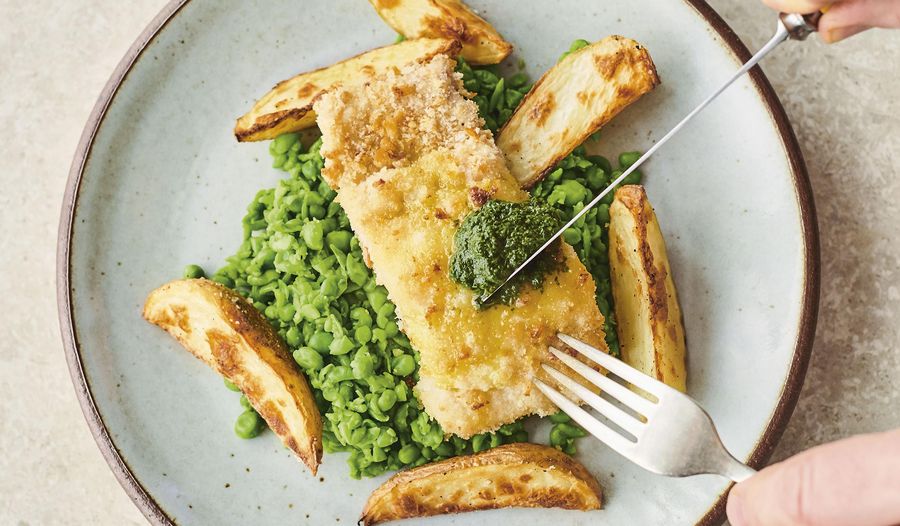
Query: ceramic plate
[159, 182]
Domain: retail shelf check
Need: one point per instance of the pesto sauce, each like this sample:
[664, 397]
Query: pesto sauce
[493, 240]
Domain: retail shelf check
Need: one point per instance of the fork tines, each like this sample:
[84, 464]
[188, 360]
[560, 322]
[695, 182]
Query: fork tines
[631, 424]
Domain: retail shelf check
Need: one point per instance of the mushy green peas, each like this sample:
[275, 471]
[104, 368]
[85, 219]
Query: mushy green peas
[249, 424]
[563, 433]
[193, 272]
[495, 96]
[576, 45]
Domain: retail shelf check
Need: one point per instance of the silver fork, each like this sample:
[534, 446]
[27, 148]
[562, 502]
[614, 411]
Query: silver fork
[675, 437]
[672, 436]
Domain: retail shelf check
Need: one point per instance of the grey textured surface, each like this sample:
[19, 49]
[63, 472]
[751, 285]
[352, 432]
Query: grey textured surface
[844, 102]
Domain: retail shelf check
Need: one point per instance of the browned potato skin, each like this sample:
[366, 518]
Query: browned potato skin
[481, 43]
[225, 331]
[650, 329]
[574, 99]
[514, 475]
[288, 107]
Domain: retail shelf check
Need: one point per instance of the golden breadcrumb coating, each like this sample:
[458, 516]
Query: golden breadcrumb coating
[409, 159]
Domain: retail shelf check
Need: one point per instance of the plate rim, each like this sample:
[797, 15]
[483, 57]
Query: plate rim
[154, 513]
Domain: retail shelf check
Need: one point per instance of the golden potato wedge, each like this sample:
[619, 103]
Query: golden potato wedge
[651, 334]
[224, 330]
[520, 475]
[288, 106]
[481, 43]
[571, 101]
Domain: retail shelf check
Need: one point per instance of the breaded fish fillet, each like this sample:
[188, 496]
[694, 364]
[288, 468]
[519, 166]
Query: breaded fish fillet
[409, 159]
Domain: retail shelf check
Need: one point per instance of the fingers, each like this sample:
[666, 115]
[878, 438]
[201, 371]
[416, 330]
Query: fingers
[873, 13]
[854, 482]
[845, 18]
[830, 36]
[796, 6]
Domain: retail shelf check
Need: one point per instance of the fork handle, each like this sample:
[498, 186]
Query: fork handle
[737, 471]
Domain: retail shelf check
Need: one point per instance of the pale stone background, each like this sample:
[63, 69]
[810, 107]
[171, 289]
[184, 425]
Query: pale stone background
[55, 57]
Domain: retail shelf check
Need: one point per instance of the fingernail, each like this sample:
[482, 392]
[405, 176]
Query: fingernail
[735, 510]
[840, 33]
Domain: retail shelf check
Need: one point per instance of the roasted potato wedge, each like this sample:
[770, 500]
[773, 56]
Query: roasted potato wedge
[573, 100]
[481, 43]
[224, 330]
[520, 475]
[288, 107]
[650, 329]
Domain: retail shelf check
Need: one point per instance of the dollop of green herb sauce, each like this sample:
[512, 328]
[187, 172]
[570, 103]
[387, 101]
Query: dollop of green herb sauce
[495, 239]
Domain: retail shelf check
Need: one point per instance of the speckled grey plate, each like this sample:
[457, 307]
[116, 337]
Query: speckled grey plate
[158, 182]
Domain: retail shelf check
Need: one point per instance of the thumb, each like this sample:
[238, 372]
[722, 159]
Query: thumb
[853, 482]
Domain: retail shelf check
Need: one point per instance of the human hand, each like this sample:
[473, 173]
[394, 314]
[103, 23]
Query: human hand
[844, 18]
[853, 482]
